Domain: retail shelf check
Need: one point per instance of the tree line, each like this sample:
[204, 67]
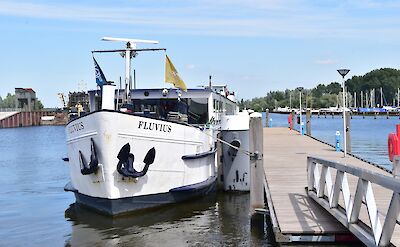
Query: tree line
[323, 96]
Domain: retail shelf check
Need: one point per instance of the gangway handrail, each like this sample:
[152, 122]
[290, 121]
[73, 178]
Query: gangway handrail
[326, 192]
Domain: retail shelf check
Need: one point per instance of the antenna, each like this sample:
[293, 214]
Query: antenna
[130, 41]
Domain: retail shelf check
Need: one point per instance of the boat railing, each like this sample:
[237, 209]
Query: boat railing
[326, 191]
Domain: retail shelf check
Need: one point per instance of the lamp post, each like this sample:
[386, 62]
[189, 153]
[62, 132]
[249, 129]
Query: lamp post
[301, 120]
[343, 73]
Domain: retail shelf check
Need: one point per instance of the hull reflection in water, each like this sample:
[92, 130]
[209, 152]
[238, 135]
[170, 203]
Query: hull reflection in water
[215, 220]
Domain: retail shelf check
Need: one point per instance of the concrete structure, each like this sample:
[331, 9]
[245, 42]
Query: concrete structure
[25, 98]
[32, 118]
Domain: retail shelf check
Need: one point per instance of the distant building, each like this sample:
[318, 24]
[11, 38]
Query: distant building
[25, 98]
[78, 97]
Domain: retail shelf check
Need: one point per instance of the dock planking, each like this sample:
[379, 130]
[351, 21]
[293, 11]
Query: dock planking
[295, 216]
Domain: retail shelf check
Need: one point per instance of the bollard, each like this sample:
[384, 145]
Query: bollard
[256, 170]
[270, 122]
[302, 128]
[337, 143]
[266, 118]
[308, 122]
[348, 136]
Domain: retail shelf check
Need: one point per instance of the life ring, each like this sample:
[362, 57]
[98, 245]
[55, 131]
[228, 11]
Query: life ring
[393, 146]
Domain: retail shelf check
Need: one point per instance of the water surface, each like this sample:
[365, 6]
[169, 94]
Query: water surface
[35, 211]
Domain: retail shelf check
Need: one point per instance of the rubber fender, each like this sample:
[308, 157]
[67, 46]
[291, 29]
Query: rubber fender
[393, 146]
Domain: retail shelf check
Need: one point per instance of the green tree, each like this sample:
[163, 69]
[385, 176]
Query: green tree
[8, 101]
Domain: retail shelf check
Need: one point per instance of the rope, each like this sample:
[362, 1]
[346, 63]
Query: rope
[246, 152]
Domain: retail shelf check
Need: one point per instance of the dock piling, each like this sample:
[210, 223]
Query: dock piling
[256, 170]
[308, 122]
[348, 135]
[396, 167]
[292, 122]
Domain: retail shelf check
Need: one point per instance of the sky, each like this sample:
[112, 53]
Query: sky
[253, 46]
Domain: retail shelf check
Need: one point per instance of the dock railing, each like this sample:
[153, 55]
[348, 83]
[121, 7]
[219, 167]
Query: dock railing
[326, 192]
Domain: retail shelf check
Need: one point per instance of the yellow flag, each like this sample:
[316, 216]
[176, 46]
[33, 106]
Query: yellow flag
[172, 76]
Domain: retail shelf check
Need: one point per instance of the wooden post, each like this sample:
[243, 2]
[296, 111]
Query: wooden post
[292, 116]
[348, 136]
[396, 167]
[363, 115]
[308, 122]
[267, 118]
[387, 115]
[256, 170]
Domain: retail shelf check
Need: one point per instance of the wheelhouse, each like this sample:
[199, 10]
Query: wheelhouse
[195, 107]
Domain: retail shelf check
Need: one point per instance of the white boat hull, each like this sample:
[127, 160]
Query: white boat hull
[183, 167]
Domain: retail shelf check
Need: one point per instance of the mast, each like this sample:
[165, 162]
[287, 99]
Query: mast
[355, 99]
[128, 53]
[362, 103]
[398, 98]
[381, 98]
[128, 69]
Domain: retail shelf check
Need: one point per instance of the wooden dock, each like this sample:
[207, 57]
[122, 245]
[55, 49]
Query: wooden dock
[295, 216]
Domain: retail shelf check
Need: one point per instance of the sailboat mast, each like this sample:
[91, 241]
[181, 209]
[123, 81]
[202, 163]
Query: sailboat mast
[355, 100]
[362, 103]
[381, 98]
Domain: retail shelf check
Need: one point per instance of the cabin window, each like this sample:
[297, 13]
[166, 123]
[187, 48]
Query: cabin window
[197, 111]
[192, 111]
[230, 109]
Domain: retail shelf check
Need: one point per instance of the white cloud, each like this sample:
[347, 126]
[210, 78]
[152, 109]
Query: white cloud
[190, 66]
[326, 61]
[238, 18]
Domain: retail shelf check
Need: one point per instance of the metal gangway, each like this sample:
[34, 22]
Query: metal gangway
[365, 202]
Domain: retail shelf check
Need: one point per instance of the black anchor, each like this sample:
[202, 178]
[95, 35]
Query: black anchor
[126, 159]
[93, 165]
